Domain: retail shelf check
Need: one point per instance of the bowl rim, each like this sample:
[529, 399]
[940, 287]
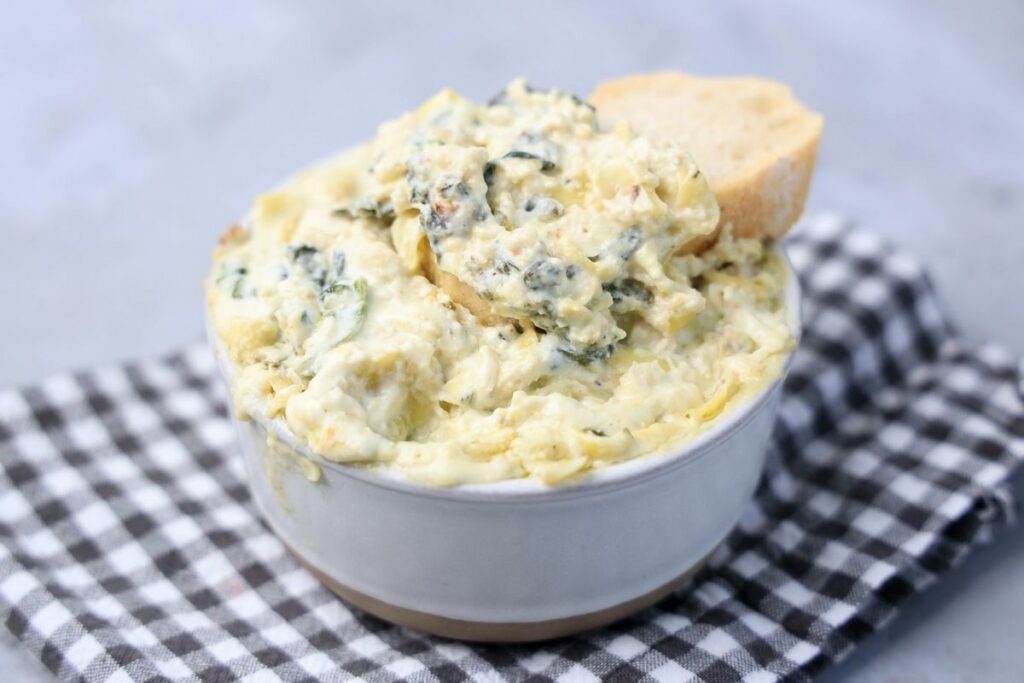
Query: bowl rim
[623, 474]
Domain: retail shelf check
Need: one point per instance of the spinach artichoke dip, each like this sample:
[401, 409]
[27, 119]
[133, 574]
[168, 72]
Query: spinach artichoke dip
[569, 332]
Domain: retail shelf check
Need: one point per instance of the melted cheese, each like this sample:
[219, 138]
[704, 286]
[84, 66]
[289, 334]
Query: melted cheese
[605, 345]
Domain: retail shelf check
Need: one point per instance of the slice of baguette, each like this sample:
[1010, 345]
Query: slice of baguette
[751, 138]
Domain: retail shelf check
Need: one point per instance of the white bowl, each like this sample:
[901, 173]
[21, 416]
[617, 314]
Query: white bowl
[515, 560]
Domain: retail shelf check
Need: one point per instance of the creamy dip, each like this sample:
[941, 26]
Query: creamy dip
[598, 343]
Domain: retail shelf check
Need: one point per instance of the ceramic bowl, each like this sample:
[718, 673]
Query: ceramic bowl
[517, 560]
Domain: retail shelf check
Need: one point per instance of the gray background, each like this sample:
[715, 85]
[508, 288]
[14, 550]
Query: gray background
[132, 133]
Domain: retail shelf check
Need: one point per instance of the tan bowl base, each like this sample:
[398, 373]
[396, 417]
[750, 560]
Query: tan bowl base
[496, 632]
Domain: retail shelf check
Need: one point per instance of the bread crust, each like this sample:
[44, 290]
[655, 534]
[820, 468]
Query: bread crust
[762, 196]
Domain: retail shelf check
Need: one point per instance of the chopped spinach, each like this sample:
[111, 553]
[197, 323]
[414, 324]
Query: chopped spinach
[236, 276]
[546, 156]
[505, 266]
[544, 207]
[529, 146]
[491, 278]
[236, 291]
[454, 188]
[450, 208]
[628, 288]
[337, 264]
[419, 190]
[545, 274]
[305, 255]
[546, 279]
[436, 226]
[543, 315]
[580, 102]
[623, 247]
[588, 355]
[312, 260]
[627, 244]
[346, 302]
[545, 164]
[537, 146]
[367, 208]
[502, 99]
[489, 169]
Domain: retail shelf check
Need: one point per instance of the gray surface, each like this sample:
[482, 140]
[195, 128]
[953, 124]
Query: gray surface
[132, 133]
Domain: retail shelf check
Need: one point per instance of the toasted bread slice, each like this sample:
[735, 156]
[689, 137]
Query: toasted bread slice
[751, 138]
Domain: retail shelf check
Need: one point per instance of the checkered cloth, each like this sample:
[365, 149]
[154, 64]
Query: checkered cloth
[131, 550]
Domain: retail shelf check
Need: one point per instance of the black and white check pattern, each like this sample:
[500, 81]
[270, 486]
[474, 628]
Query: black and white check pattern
[132, 552]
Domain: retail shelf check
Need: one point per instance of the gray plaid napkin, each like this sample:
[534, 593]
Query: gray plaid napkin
[131, 550]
